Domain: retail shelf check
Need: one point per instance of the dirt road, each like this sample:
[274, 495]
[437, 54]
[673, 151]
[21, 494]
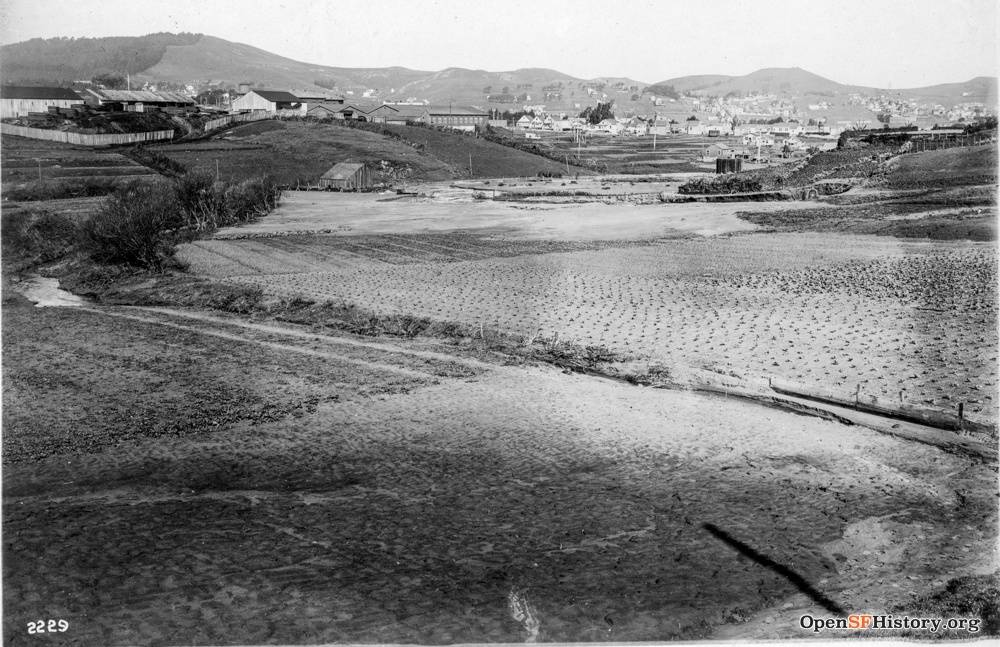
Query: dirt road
[176, 479]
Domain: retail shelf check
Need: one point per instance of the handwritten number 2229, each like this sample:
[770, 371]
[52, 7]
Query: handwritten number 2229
[47, 626]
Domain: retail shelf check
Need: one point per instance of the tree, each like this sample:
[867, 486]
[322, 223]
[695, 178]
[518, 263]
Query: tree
[110, 81]
[597, 114]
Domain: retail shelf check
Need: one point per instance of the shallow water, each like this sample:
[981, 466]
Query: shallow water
[45, 292]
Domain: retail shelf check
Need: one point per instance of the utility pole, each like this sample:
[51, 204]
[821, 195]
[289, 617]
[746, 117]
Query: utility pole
[470, 164]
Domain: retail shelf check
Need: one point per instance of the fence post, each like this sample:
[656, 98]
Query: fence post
[961, 416]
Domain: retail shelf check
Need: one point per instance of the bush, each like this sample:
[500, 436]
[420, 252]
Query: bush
[131, 227]
[141, 222]
[37, 236]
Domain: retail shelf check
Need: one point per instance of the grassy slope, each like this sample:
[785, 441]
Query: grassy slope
[948, 167]
[294, 152]
[302, 151]
[488, 159]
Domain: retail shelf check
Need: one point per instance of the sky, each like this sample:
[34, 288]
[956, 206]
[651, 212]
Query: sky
[881, 43]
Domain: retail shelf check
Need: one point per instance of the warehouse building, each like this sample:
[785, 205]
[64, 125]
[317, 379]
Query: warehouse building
[18, 101]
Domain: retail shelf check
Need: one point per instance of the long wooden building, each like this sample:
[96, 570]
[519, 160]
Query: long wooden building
[18, 101]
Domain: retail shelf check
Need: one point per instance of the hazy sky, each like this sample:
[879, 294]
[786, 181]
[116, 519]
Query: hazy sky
[882, 43]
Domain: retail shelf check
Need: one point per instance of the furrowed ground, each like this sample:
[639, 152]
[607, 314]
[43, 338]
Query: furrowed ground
[901, 322]
[216, 473]
[203, 480]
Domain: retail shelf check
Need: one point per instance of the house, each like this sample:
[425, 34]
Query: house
[536, 123]
[136, 100]
[659, 127]
[267, 101]
[717, 151]
[311, 101]
[325, 111]
[381, 114]
[524, 122]
[405, 113]
[458, 117]
[17, 101]
[758, 139]
[610, 126]
[348, 176]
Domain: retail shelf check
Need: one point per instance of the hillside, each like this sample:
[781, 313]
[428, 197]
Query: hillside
[68, 59]
[299, 152]
[794, 81]
[206, 60]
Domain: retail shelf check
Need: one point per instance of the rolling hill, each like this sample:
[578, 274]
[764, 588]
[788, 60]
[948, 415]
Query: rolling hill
[204, 60]
[794, 81]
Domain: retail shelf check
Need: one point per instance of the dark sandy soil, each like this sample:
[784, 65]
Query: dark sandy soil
[170, 480]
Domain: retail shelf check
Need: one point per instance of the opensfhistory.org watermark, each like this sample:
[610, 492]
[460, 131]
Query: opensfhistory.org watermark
[886, 622]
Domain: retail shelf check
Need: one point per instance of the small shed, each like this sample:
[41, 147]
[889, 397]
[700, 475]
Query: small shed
[348, 176]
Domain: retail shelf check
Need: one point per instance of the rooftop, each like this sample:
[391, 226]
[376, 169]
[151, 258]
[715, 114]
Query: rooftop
[342, 171]
[31, 92]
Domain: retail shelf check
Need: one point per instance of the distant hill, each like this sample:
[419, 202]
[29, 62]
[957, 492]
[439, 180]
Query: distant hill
[207, 60]
[204, 60]
[63, 60]
[794, 81]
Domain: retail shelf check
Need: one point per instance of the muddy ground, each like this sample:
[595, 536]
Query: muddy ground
[174, 478]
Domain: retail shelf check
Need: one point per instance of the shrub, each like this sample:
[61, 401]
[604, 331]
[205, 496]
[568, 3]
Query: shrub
[37, 236]
[140, 223]
[131, 227]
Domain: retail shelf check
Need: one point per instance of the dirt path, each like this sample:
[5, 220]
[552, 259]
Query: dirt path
[414, 508]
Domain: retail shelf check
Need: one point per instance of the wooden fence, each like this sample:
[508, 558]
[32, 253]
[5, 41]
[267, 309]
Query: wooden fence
[222, 122]
[86, 139]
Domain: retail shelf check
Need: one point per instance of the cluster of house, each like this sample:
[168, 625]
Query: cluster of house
[656, 125]
[285, 103]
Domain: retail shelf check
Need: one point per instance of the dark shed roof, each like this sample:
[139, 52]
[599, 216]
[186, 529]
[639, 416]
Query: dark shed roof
[29, 92]
[277, 96]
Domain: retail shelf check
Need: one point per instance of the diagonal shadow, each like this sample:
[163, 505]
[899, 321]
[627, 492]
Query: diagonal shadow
[797, 580]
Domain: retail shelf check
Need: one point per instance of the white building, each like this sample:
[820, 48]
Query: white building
[268, 101]
[17, 101]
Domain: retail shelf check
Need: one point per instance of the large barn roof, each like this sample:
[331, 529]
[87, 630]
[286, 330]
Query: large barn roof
[277, 96]
[28, 92]
[142, 96]
[456, 111]
[342, 171]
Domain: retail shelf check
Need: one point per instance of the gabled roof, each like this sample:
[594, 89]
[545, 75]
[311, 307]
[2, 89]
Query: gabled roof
[140, 96]
[408, 112]
[328, 107]
[461, 111]
[342, 171]
[27, 92]
[277, 96]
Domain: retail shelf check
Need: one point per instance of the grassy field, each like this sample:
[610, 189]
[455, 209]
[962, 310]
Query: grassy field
[300, 152]
[631, 155]
[944, 168]
[37, 170]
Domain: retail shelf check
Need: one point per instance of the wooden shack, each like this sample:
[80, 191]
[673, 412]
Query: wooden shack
[348, 176]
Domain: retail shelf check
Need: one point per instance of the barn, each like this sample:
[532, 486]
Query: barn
[267, 100]
[18, 101]
[136, 100]
[348, 176]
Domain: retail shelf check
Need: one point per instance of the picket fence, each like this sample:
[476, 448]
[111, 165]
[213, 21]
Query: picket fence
[222, 122]
[85, 139]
